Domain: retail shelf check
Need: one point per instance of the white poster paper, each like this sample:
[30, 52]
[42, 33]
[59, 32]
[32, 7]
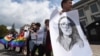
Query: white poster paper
[67, 37]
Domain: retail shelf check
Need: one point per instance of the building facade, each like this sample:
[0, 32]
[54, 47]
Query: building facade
[89, 13]
[88, 9]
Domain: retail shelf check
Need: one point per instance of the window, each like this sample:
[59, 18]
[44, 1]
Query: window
[83, 21]
[81, 12]
[94, 8]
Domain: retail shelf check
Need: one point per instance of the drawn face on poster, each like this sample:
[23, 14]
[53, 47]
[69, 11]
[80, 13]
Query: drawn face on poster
[68, 34]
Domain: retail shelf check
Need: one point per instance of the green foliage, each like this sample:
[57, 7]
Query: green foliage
[3, 30]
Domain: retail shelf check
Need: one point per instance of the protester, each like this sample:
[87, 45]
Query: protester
[26, 36]
[6, 40]
[32, 36]
[15, 35]
[21, 35]
[47, 43]
[38, 42]
[66, 34]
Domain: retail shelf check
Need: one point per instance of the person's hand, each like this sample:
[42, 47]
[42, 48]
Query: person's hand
[31, 30]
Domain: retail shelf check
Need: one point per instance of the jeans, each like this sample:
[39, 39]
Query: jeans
[31, 44]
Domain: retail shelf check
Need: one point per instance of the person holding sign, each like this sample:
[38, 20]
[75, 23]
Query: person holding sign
[68, 34]
[67, 37]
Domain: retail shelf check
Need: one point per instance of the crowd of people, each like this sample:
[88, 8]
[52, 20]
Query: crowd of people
[32, 39]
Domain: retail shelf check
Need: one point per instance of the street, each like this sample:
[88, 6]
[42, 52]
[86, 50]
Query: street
[95, 49]
[4, 52]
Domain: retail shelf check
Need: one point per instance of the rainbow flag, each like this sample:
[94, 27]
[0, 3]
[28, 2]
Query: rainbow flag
[3, 41]
[6, 39]
[18, 42]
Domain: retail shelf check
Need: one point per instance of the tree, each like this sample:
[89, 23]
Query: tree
[3, 30]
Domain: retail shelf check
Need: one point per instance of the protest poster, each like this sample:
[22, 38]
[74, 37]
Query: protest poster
[67, 37]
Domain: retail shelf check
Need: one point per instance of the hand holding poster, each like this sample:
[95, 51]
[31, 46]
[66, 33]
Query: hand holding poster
[67, 37]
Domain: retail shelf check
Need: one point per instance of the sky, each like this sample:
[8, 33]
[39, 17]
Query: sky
[20, 12]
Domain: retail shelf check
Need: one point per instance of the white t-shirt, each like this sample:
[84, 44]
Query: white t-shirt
[33, 36]
[38, 37]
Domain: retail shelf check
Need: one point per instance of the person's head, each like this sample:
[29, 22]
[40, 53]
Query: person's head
[47, 22]
[66, 5]
[64, 27]
[33, 26]
[38, 25]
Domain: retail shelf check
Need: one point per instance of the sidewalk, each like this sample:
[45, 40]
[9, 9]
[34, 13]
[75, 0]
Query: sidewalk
[96, 50]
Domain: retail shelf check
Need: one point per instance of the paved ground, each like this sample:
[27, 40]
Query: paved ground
[4, 52]
[95, 49]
